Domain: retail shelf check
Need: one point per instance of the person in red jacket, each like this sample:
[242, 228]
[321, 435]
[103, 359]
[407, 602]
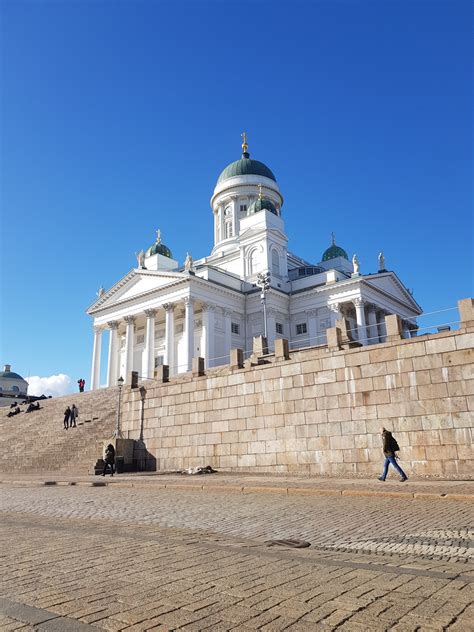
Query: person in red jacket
[81, 383]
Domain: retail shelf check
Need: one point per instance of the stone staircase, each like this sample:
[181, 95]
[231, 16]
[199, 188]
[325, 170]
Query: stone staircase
[37, 442]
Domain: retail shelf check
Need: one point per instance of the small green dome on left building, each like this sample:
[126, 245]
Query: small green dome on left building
[334, 251]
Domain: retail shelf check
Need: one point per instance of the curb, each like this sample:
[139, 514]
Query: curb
[246, 489]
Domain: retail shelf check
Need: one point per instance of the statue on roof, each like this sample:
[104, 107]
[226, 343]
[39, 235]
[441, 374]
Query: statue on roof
[355, 264]
[188, 263]
[381, 261]
[100, 292]
[140, 258]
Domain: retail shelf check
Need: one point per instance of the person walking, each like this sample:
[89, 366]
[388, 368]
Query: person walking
[109, 459]
[67, 415]
[390, 447]
[74, 415]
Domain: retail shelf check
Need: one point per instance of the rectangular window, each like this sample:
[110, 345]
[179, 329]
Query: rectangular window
[243, 208]
[235, 328]
[140, 339]
[279, 328]
[300, 329]
[159, 361]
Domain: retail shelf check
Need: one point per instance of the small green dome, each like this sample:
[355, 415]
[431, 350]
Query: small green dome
[260, 204]
[333, 252]
[158, 248]
[246, 167]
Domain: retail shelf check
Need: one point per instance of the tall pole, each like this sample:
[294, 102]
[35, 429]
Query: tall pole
[118, 432]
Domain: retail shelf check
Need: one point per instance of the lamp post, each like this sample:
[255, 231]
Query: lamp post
[263, 281]
[118, 432]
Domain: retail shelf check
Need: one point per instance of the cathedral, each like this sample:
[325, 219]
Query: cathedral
[250, 284]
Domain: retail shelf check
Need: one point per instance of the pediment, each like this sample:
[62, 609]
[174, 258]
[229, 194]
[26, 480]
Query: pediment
[136, 283]
[390, 284]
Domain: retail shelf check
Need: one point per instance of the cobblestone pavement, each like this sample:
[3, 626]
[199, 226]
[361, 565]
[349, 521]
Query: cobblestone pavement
[83, 558]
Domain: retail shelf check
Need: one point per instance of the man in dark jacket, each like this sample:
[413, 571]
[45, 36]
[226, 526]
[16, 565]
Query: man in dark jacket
[109, 459]
[390, 446]
[67, 415]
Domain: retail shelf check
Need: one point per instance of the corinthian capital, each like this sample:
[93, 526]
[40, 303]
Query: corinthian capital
[168, 307]
[130, 320]
[150, 313]
[335, 307]
[358, 302]
[113, 324]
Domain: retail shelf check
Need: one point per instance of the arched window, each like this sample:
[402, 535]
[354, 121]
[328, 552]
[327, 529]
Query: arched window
[15, 389]
[228, 231]
[253, 262]
[275, 263]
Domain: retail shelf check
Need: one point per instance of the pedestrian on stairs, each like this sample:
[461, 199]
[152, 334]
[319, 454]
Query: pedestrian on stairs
[390, 447]
[109, 459]
[74, 415]
[67, 415]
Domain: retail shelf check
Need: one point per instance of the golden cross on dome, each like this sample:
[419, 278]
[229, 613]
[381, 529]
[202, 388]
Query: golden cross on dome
[333, 239]
[158, 236]
[260, 192]
[244, 142]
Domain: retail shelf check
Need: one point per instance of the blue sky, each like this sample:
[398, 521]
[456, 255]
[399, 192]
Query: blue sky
[117, 117]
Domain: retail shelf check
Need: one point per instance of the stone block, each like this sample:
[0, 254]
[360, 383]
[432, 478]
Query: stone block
[456, 389]
[466, 312]
[462, 419]
[371, 398]
[341, 442]
[316, 416]
[236, 358]
[290, 369]
[282, 351]
[354, 427]
[266, 460]
[364, 412]
[162, 373]
[334, 338]
[465, 341]
[424, 438]
[375, 369]
[393, 325]
[440, 345]
[357, 358]
[335, 361]
[441, 452]
[260, 346]
[339, 414]
[355, 455]
[411, 349]
[335, 388]
[461, 356]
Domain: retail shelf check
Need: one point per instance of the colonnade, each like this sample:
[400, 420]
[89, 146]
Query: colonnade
[147, 369]
[370, 321]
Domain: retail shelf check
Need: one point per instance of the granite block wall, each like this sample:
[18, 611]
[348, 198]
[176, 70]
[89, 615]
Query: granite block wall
[318, 412]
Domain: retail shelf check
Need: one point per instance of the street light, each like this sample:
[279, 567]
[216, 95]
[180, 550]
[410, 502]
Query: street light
[118, 432]
[263, 282]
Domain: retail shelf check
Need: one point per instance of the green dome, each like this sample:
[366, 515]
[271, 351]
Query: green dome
[260, 204]
[246, 167]
[10, 375]
[159, 249]
[334, 251]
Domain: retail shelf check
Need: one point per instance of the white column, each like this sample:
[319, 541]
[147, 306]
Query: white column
[95, 374]
[129, 346]
[189, 331]
[169, 337]
[208, 338]
[113, 354]
[227, 330]
[149, 371]
[312, 327]
[271, 328]
[373, 329]
[360, 317]
[335, 313]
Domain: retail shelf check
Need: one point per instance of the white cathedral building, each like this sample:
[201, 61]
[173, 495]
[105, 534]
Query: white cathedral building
[164, 313]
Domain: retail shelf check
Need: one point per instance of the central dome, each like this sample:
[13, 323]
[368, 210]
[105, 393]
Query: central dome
[246, 167]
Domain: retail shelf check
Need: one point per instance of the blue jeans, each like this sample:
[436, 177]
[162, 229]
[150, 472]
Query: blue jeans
[392, 460]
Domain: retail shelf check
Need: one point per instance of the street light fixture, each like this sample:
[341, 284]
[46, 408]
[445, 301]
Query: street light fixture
[118, 431]
[263, 282]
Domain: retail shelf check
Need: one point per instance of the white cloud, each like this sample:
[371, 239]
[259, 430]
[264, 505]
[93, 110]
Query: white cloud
[55, 385]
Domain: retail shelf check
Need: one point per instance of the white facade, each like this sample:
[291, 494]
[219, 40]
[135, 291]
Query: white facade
[160, 313]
